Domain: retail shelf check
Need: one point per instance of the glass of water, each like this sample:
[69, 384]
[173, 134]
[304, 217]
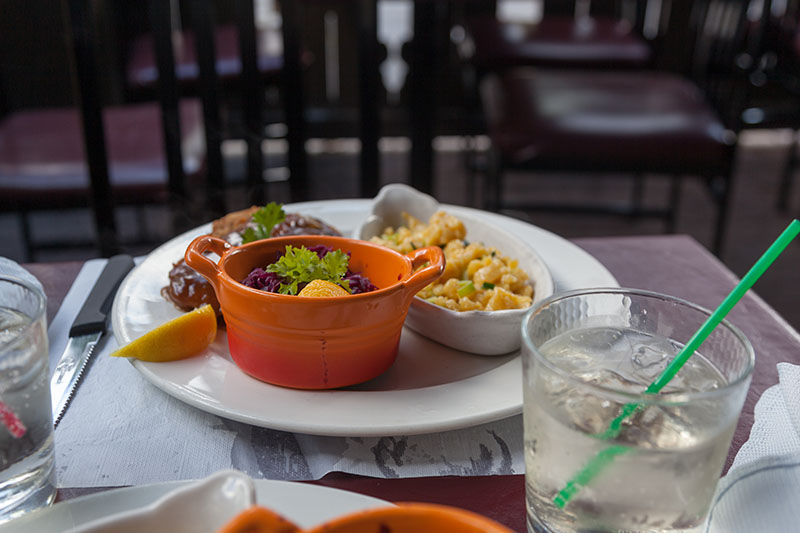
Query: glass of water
[589, 354]
[26, 421]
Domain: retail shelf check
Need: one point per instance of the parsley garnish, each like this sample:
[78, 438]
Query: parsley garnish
[301, 265]
[264, 219]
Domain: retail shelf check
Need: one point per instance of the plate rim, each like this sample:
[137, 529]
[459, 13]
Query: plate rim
[509, 369]
[145, 495]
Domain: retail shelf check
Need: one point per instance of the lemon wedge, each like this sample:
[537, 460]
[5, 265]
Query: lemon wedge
[181, 337]
[319, 288]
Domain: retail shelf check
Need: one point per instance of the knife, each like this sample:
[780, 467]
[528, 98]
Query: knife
[86, 331]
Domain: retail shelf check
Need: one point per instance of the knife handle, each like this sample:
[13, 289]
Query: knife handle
[93, 316]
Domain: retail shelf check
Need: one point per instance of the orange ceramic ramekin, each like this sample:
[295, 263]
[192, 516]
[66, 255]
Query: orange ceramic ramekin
[314, 343]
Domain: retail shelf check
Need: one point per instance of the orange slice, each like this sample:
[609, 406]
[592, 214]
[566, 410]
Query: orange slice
[179, 338]
[319, 288]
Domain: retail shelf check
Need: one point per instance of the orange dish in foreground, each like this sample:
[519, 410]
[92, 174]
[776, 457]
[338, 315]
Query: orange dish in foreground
[404, 518]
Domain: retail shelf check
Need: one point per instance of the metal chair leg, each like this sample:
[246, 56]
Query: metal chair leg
[674, 202]
[785, 187]
[723, 203]
[493, 182]
[637, 194]
[27, 236]
[471, 167]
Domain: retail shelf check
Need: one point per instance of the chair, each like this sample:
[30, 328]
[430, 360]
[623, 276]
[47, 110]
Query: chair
[773, 88]
[93, 156]
[141, 69]
[565, 37]
[633, 122]
[43, 162]
[186, 49]
[218, 64]
[608, 35]
[247, 83]
[338, 92]
[759, 85]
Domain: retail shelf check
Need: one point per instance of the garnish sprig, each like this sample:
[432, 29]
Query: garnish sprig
[263, 221]
[300, 266]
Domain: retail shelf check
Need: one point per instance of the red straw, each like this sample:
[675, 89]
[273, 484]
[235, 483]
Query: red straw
[12, 422]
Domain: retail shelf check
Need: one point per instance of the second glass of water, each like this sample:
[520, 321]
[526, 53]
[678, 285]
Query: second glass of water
[587, 355]
[26, 421]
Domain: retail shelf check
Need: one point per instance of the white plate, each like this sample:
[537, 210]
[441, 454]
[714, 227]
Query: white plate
[304, 504]
[430, 387]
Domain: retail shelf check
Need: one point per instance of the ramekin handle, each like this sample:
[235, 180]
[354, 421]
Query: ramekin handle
[195, 256]
[434, 256]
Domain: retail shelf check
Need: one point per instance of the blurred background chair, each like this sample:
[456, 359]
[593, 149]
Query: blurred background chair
[256, 79]
[635, 122]
[225, 60]
[570, 34]
[43, 164]
[93, 156]
[771, 94]
[567, 34]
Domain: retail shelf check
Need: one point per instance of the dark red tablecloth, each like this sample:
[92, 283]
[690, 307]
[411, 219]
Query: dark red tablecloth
[675, 265]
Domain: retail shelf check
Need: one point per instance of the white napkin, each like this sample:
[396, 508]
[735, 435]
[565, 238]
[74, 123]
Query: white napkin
[762, 488]
[121, 430]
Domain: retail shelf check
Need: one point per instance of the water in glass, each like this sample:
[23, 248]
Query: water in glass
[666, 480]
[26, 424]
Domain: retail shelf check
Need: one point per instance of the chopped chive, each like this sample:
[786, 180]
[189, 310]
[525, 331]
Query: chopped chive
[465, 288]
[487, 286]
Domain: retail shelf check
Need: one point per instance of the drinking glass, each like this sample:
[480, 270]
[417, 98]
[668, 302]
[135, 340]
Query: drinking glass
[26, 421]
[589, 354]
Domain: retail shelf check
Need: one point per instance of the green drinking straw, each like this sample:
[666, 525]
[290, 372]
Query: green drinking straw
[606, 456]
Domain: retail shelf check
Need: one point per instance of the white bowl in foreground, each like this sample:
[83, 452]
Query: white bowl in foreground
[479, 332]
[206, 505]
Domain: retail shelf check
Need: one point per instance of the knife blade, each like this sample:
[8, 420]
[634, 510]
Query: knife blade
[87, 329]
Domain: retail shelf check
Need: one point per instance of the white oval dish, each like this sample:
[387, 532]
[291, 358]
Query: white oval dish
[479, 332]
[304, 504]
[206, 505]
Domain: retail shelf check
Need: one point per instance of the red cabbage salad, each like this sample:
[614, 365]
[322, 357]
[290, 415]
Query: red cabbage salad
[296, 267]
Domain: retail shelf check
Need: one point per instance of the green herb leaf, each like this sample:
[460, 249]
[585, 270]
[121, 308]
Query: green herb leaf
[465, 288]
[264, 220]
[301, 265]
[488, 286]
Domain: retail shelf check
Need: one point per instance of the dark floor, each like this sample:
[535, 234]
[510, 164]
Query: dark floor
[754, 221]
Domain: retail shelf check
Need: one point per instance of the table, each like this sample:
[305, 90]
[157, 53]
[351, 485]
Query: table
[674, 264]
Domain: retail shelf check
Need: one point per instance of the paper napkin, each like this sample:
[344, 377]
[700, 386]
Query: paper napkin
[761, 491]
